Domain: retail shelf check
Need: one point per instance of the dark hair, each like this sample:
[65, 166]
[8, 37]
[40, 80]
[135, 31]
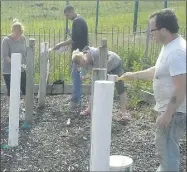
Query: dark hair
[68, 8]
[166, 18]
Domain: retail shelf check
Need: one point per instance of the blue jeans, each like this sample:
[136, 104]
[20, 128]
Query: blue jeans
[77, 84]
[167, 143]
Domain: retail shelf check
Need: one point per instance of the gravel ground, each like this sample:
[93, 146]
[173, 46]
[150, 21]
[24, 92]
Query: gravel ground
[52, 145]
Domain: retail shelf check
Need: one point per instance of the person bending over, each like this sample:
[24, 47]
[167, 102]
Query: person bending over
[86, 61]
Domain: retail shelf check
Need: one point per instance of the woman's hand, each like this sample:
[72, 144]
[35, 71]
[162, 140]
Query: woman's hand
[85, 77]
[23, 66]
[8, 59]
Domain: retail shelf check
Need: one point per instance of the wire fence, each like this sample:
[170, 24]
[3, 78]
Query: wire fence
[130, 46]
[44, 21]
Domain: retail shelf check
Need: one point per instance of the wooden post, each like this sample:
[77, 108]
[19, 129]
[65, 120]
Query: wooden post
[103, 54]
[147, 44]
[99, 71]
[32, 44]
[43, 73]
[99, 74]
[14, 99]
[30, 82]
[101, 129]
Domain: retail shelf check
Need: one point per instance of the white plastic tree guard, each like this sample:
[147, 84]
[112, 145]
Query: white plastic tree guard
[14, 99]
[112, 78]
[101, 125]
[121, 163]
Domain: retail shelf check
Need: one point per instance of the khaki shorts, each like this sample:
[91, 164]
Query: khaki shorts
[120, 86]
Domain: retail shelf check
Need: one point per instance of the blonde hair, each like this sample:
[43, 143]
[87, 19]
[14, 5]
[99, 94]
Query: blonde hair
[17, 24]
[77, 56]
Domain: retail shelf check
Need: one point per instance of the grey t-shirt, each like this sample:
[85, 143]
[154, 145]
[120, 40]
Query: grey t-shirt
[113, 60]
[10, 46]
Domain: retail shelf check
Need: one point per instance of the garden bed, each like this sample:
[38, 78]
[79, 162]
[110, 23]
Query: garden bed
[52, 145]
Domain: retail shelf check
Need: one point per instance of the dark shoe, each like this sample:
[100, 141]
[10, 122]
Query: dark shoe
[73, 105]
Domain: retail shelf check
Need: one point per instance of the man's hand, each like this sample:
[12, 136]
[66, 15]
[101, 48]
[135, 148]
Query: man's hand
[163, 120]
[56, 47]
[128, 75]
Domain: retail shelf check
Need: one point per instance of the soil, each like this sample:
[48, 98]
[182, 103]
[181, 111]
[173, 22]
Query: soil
[52, 145]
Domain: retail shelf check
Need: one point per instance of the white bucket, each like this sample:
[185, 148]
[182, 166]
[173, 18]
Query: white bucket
[121, 163]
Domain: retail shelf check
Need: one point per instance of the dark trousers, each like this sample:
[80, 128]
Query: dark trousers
[7, 79]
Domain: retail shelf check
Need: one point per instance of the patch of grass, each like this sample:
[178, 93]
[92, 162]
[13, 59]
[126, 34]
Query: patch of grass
[47, 14]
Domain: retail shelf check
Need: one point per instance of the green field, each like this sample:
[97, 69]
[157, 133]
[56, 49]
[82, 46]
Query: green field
[49, 14]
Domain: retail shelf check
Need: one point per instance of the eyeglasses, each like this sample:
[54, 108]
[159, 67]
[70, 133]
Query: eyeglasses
[154, 29]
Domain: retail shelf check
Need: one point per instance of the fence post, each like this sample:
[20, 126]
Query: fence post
[43, 73]
[96, 20]
[97, 17]
[66, 32]
[102, 109]
[14, 99]
[30, 81]
[99, 71]
[103, 53]
[165, 3]
[136, 5]
[147, 43]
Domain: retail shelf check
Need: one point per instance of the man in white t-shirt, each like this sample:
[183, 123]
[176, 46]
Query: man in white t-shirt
[169, 85]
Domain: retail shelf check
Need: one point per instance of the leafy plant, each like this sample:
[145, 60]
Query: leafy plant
[133, 61]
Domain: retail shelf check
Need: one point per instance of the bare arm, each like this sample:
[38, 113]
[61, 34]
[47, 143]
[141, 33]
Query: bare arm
[67, 42]
[179, 93]
[61, 44]
[177, 69]
[147, 74]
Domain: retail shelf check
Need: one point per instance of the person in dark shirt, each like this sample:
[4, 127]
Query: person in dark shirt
[78, 40]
